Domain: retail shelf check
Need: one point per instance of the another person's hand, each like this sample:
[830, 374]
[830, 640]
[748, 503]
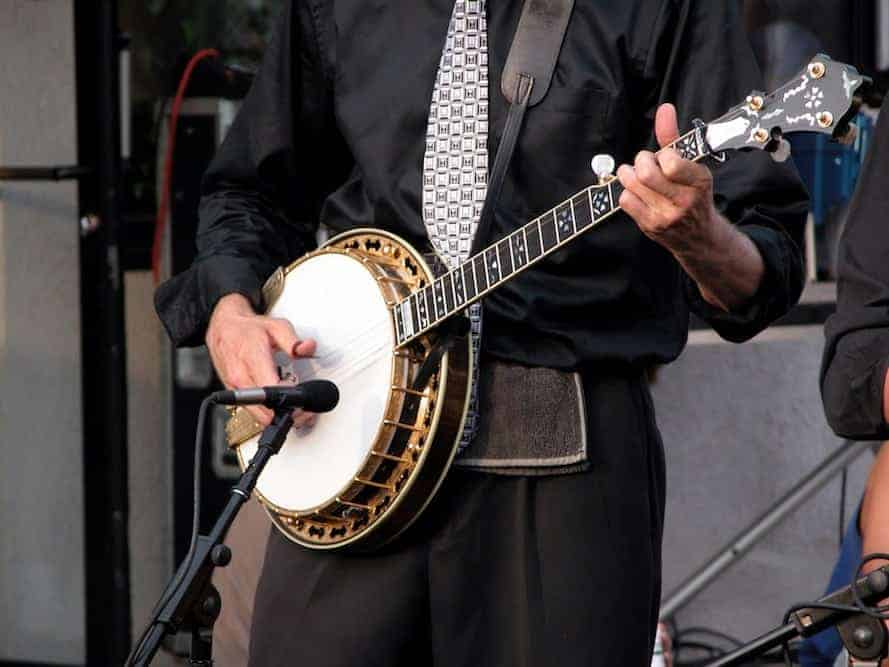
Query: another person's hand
[242, 346]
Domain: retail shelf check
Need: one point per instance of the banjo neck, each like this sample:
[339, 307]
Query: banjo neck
[822, 98]
[484, 272]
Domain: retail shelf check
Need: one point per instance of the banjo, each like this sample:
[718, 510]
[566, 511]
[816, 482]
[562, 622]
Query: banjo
[384, 323]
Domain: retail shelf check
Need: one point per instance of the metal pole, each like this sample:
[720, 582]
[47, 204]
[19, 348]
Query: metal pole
[757, 647]
[759, 528]
[103, 346]
[62, 173]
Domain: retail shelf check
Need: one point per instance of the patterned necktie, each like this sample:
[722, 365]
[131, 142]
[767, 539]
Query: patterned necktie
[455, 166]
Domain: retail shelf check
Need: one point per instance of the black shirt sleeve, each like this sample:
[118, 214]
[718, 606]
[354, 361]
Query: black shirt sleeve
[710, 67]
[856, 356]
[262, 193]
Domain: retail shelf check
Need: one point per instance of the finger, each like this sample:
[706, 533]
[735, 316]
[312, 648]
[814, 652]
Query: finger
[302, 418]
[306, 348]
[282, 334]
[261, 414]
[636, 209]
[656, 202]
[648, 172]
[666, 125]
[681, 171]
[261, 366]
[262, 374]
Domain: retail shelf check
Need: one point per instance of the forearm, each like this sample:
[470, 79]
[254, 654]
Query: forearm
[886, 397]
[726, 266]
[874, 518]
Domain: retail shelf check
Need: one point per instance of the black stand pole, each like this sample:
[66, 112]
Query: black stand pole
[190, 602]
[61, 173]
[863, 636]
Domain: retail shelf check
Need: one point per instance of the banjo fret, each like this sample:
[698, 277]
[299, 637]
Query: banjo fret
[564, 223]
[517, 245]
[503, 253]
[449, 292]
[533, 246]
[548, 235]
[583, 212]
[471, 285]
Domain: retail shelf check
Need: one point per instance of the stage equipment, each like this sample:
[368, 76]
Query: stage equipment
[311, 396]
[860, 627]
[190, 602]
[362, 474]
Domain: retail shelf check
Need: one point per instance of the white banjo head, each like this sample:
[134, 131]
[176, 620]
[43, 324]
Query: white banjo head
[336, 300]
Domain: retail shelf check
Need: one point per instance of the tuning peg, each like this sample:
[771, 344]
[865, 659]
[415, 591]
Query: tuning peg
[848, 137]
[603, 167]
[782, 151]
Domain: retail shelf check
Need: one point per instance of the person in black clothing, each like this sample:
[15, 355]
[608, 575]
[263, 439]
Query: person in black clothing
[856, 355]
[508, 566]
[855, 368]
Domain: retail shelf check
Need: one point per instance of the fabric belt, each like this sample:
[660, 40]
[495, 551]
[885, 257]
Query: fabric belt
[532, 421]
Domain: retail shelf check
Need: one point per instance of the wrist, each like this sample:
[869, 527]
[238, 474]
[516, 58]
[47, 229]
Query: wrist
[713, 239]
[728, 268]
[233, 304]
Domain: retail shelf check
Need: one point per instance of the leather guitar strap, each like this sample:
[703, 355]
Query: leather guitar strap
[526, 79]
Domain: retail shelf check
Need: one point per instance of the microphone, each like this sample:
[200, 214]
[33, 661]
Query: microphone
[311, 396]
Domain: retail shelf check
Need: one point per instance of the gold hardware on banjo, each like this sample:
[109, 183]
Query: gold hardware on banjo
[361, 474]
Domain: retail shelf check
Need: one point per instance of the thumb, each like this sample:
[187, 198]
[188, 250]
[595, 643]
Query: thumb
[666, 125]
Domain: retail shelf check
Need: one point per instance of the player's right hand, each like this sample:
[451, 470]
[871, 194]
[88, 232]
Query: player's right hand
[242, 346]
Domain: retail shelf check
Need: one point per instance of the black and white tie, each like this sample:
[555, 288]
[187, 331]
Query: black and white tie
[455, 165]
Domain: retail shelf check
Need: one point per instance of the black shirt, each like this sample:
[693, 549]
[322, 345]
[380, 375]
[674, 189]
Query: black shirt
[856, 356]
[334, 130]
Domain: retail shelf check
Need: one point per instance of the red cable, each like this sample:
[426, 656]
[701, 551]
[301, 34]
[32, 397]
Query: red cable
[164, 202]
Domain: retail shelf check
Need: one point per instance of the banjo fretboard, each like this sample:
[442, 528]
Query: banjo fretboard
[499, 262]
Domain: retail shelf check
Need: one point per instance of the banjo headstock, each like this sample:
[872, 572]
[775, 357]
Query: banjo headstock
[822, 98]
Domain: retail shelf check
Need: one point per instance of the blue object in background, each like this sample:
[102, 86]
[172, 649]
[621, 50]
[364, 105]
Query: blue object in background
[829, 169]
[822, 649]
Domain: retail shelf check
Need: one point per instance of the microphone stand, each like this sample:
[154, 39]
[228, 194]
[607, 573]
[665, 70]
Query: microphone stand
[863, 636]
[190, 601]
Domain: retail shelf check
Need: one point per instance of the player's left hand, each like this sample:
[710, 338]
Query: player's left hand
[669, 197]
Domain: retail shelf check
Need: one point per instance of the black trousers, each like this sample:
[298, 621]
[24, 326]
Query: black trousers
[500, 570]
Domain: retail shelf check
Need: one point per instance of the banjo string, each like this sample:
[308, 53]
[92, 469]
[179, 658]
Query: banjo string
[356, 361]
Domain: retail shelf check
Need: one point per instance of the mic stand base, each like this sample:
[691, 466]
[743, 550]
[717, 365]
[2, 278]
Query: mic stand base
[191, 601]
